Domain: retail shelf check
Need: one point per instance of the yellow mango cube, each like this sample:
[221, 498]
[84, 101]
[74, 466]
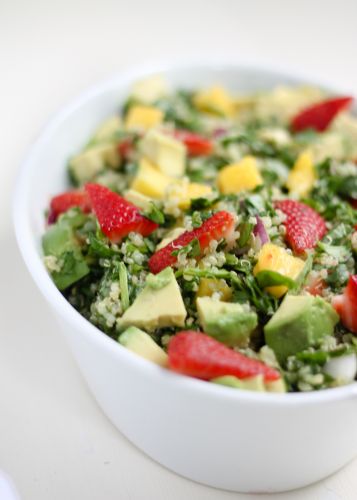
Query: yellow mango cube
[215, 100]
[241, 176]
[149, 181]
[184, 192]
[244, 102]
[209, 286]
[274, 258]
[143, 117]
[302, 176]
[197, 190]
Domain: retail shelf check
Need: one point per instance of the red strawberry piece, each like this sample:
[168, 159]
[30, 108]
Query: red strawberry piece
[220, 225]
[64, 201]
[117, 217]
[304, 226]
[198, 355]
[320, 115]
[196, 144]
[125, 148]
[346, 304]
[316, 286]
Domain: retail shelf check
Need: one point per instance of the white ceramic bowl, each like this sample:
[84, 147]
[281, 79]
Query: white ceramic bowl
[236, 440]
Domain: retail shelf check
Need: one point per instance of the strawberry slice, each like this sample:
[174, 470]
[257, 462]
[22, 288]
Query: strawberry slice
[117, 217]
[196, 144]
[320, 115]
[316, 286]
[346, 304]
[220, 225]
[64, 201]
[125, 148]
[304, 226]
[198, 355]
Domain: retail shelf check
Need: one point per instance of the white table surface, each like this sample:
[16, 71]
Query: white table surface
[55, 442]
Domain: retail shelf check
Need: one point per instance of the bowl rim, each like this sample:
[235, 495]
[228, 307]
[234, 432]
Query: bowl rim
[25, 238]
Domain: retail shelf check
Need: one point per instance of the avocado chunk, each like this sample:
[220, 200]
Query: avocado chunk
[142, 344]
[60, 243]
[299, 323]
[108, 130]
[276, 385]
[150, 89]
[250, 384]
[167, 153]
[230, 323]
[86, 165]
[170, 236]
[158, 305]
[138, 199]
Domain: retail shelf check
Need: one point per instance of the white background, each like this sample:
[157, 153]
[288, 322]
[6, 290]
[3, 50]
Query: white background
[54, 441]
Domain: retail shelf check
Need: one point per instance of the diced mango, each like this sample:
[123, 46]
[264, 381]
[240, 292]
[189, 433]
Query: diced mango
[167, 153]
[302, 176]
[143, 117]
[215, 100]
[150, 89]
[149, 181]
[185, 192]
[274, 258]
[241, 176]
[197, 190]
[244, 102]
[138, 199]
[209, 286]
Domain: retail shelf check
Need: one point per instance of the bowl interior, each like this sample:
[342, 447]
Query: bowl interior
[44, 172]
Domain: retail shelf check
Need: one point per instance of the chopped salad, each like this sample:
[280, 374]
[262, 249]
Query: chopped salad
[215, 234]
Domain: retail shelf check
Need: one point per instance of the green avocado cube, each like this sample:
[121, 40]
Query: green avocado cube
[86, 165]
[252, 383]
[229, 323]
[142, 344]
[276, 385]
[57, 239]
[59, 242]
[298, 324]
[158, 305]
[249, 384]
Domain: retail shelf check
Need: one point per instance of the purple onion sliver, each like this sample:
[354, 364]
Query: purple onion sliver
[219, 132]
[51, 218]
[259, 230]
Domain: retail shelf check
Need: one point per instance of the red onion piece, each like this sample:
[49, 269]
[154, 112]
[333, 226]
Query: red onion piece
[51, 217]
[259, 230]
[219, 132]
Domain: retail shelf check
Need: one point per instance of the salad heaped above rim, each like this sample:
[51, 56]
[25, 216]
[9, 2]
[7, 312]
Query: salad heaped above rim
[215, 234]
